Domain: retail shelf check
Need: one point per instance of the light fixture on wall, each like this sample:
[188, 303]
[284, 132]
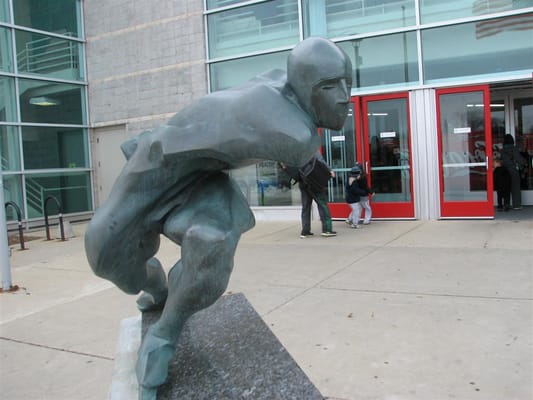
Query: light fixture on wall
[44, 101]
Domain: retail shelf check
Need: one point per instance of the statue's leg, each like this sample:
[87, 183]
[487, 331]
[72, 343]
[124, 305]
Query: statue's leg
[208, 228]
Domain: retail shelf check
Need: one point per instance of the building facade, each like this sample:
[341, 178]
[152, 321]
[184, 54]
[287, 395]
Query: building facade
[436, 85]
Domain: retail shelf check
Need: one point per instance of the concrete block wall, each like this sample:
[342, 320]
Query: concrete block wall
[145, 60]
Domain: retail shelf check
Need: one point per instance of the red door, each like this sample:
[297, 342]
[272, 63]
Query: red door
[387, 154]
[464, 135]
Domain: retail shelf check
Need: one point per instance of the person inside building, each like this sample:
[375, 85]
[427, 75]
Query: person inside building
[175, 183]
[513, 161]
[502, 185]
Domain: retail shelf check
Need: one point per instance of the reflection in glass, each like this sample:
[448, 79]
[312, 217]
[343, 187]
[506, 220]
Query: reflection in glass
[4, 10]
[48, 55]
[372, 69]
[72, 190]
[221, 3]
[13, 192]
[388, 132]
[228, 74]
[48, 102]
[523, 118]
[462, 127]
[9, 148]
[266, 184]
[503, 46]
[6, 56]
[57, 16]
[252, 28]
[438, 10]
[8, 109]
[351, 17]
[63, 147]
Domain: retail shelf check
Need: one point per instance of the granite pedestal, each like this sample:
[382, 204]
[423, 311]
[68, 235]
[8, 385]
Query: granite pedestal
[227, 352]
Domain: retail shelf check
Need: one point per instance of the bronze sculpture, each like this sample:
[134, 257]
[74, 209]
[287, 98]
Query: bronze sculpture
[175, 184]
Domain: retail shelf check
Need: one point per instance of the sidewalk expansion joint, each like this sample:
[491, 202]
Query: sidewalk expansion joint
[80, 353]
[426, 294]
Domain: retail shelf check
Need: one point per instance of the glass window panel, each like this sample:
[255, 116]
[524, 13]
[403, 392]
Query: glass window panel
[221, 3]
[266, 184]
[6, 54]
[57, 16]
[8, 109]
[9, 148]
[54, 148]
[372, 69]
[48, 102]
[497, 46]
[253, 28]
[4, 10]
[72, 190]
[334, 18]
[13, 192]
[497, 118]
[48, 55]
[388, 132]
[438, 10]
[227, 74]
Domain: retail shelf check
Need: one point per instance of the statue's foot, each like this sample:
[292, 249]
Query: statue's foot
[152, 363]
[146, 302]
[147, 393]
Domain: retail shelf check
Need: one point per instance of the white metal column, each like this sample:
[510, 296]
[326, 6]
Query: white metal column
[423, 113]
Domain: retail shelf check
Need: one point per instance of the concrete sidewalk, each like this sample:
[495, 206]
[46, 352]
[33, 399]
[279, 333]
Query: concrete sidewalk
[395, 310]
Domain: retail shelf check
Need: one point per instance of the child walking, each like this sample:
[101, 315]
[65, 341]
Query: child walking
[354, 191]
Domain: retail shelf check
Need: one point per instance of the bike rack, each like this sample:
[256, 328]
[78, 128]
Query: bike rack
[60, 214]
[19, 218]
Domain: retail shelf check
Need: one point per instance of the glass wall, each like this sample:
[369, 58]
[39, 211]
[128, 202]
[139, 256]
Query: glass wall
[334, 18]
[43, 134]
[437, 10]
[8, 108]
[48, 56]
[393, 45]
[476, 49]
[6, 56]
[231, 73]
[253, 28]
[55, 16]
[371, 69]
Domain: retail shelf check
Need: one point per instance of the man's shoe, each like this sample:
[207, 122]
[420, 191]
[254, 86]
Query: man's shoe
[306, 235]
[347, 221]
[366, 223]
[329, 233]
[354, 226]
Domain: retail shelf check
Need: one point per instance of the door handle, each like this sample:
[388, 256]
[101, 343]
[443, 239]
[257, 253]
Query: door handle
[487, 162]
[366, 167]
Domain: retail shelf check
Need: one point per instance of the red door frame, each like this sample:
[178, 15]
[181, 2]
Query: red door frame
[467, 209]
[389, 210]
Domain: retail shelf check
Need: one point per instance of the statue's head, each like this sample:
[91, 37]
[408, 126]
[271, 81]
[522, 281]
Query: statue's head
[320, 74]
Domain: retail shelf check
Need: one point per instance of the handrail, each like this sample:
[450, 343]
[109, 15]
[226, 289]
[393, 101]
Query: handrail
[19, 218]
[60, 214]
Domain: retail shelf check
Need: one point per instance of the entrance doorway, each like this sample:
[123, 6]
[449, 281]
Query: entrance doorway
[512, 113]
[377, 135]
[465, 142]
